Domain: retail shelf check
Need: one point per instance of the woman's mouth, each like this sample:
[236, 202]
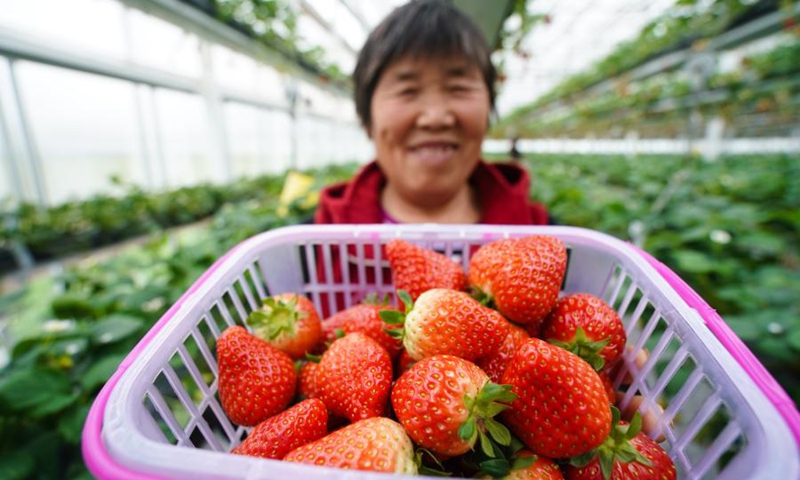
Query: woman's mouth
[434, 152]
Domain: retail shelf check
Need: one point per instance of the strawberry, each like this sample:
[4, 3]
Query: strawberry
[562, 408]
[495, 364]
[588, 327]
[276, 436]
[520, 277]
[364, 318]
[528, 466]
[354, 377]
[307, 380]
[288, 322]
[379, 444]
[626, 454]
[608, 385]
[447, 322]
[256, 381]
[416, 269]
[446, 403]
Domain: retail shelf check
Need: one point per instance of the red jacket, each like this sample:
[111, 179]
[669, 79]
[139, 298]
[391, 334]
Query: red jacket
[504, 200]
[503, 191]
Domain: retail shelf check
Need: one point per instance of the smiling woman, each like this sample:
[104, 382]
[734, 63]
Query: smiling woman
[424, 92]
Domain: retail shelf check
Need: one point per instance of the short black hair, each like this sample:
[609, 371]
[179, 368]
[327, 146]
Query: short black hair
[424, 29]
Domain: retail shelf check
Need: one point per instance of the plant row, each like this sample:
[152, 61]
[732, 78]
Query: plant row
[729, 228]
[765, 83]
[78, 226]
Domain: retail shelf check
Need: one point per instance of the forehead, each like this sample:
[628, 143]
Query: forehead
[414, 67]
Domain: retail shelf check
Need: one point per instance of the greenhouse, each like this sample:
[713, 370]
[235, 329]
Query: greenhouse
[173, 170]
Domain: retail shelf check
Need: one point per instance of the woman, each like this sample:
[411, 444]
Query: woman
[424, 92]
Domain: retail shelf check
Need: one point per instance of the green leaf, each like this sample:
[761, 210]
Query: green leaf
[498, 431]
[115, 328]
[521, 463]
[392, 317]
[71, 305]
[486, 444]
[496, 467]
[793, 339]
[17, 465]
[100, 371]
[467, 429]
[406, 298]
[36, 391]
[70, 424]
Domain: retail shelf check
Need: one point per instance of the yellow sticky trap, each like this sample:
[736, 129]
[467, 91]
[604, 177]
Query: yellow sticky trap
[297, 188]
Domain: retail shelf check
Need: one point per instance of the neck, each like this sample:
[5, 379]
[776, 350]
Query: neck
[460, 208]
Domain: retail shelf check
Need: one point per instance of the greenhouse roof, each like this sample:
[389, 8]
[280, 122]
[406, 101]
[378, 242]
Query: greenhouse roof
[570, 37]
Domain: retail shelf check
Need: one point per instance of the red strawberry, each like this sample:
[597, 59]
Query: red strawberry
[256, 381]
[531, 467]
[520, 277]
[446, 403]
[448, 322]
[288, 322]
[276, 436]
[364, 318]
[377, 444]
[307, 380]
[608, 385]
[354, 377]
[588, 327]
[416, 269]
[562, 408]
[627, 454]
[495, 364]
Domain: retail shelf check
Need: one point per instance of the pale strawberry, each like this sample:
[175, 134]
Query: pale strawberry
[446, 404]
[377, 444]
[278, 435]
[447, 322]
[256, 381]
[416, 269]
[288, 322]
[354, 377]
[588, 327]
[562, 408]
[519, 277]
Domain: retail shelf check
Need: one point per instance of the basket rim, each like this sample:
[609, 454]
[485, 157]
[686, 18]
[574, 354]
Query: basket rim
[100, 461]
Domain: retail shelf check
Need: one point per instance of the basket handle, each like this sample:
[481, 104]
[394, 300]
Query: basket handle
[762, 378]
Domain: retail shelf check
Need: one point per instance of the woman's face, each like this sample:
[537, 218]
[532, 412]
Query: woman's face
[429, 117]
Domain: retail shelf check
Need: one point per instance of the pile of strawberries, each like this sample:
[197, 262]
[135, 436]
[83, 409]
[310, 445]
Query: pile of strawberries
[486, 374]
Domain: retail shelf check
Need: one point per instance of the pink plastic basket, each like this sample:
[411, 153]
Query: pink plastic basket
[159, 416]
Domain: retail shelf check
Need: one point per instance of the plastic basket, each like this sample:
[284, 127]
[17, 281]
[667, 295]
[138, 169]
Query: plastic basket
[159, 415]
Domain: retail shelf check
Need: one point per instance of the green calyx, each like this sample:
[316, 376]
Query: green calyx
[393, 317]
[438, 470]
[585, 348]
[484, 298]
[376, 300]
[480, 425]
[616, 447]
[275, 318]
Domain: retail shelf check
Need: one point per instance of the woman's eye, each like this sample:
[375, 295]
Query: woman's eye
[407, 92]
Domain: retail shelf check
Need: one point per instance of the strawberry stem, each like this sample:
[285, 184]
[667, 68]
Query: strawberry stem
[275, 318]
[582, 346]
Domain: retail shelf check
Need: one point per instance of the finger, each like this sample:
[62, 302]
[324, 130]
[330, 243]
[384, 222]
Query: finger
[651, 418]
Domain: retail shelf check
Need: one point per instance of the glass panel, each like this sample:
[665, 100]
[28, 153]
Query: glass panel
[184, 129]
[159, 44]
[83, 25]
[84, 127]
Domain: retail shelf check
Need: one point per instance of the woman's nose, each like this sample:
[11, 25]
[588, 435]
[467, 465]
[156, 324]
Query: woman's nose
[435, 112]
